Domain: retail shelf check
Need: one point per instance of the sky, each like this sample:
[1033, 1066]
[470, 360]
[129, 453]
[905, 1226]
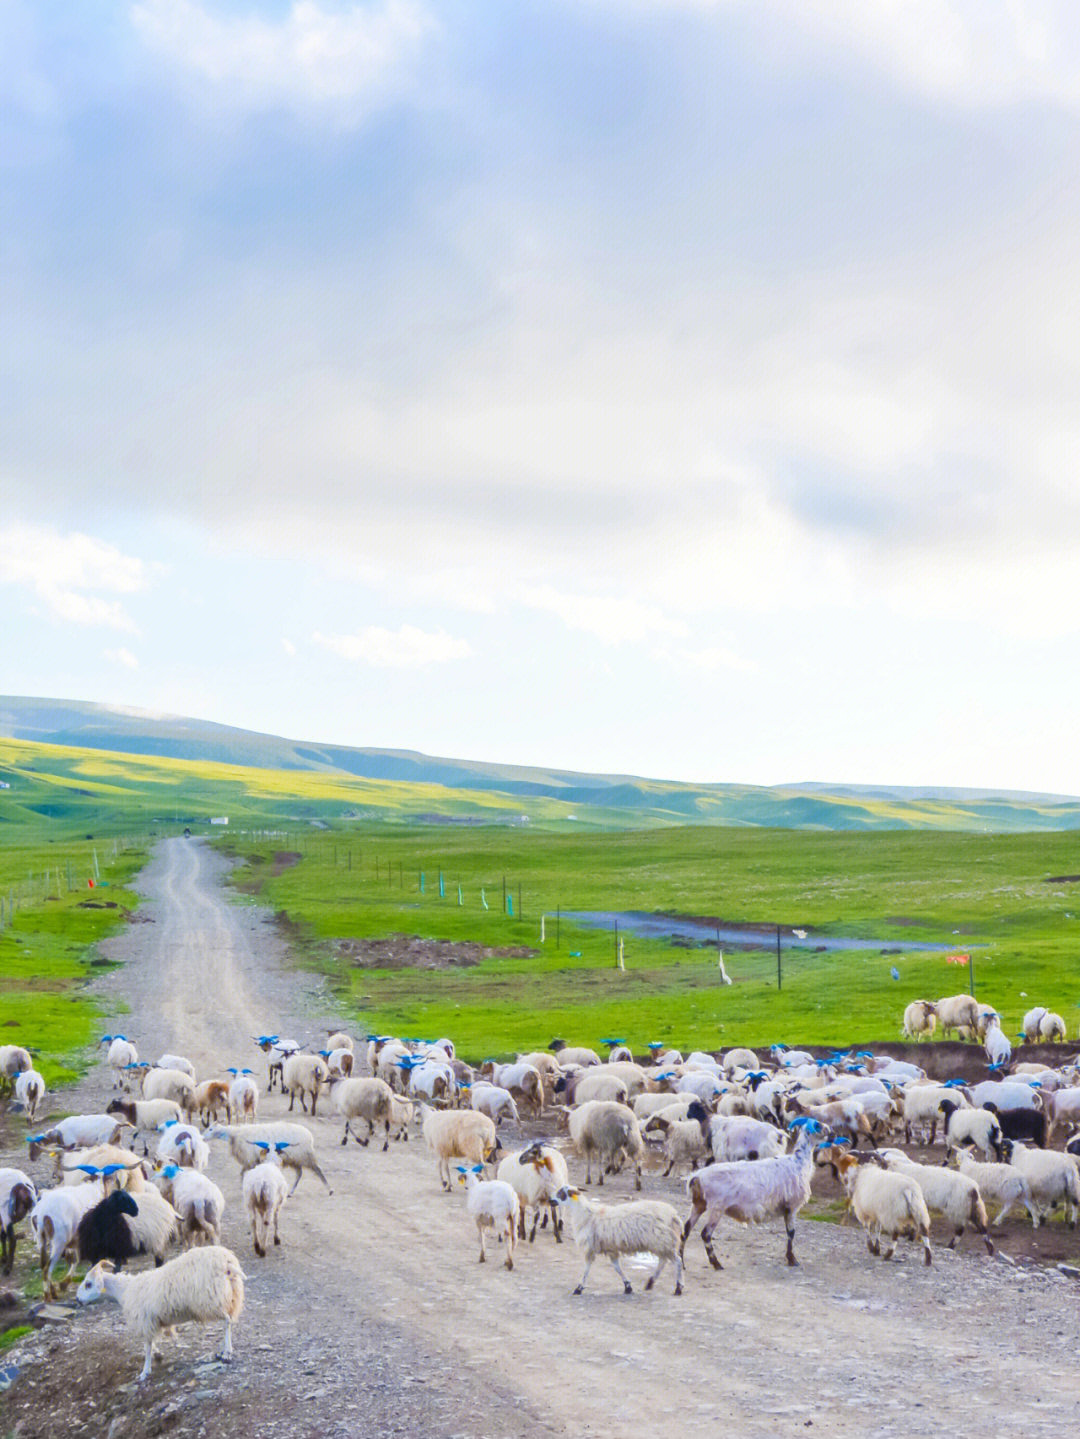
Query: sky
[685, 388]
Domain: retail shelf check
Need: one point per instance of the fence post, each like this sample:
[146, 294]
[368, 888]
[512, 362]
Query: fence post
[971, 975]
[779, 969]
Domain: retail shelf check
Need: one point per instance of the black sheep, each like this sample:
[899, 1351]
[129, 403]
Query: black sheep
[1021, 1124]
[104, 1232]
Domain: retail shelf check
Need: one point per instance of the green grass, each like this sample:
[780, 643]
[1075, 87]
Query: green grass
[888, 887]
[12, 1336]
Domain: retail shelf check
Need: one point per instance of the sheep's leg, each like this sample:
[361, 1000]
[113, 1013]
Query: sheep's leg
[483, 1250]
[521, 1224]
[789, 1225]
[928, 1257]
[588, 1265]
[655, 1275]
[345, 1136]
[706, 1239]
[314, 1101]
[148, 1362]
[637, 1175]
[667, 1171]
[318, 1174]
[628, 1288]
[277, 1215]
[510, 1242]
[225, 1353]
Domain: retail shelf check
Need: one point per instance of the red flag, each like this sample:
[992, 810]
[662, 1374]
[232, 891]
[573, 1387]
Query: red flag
[89, 884]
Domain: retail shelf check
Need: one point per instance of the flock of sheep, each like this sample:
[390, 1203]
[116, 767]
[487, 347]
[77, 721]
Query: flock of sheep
[751, 1132]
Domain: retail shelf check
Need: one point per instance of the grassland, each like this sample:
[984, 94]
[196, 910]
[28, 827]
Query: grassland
[983, 895]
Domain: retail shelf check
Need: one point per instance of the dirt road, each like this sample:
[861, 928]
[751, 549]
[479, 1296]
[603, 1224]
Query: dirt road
[374, 1316]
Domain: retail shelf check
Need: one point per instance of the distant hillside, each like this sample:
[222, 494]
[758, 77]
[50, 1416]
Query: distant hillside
[566, 796]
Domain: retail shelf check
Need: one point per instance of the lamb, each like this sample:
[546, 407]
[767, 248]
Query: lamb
[953, 1195]
[211, 1097]
[1000, 1182]
[753, 1190]
[642, 1226]
[683, 1140]
[54, 1221]
[958, 1012]
[609, 1131]
[1052, 1028]
[243, 1097]
[265, 1191]
[145, 1115]
[201, 1285]
[304, 1074]
[30, 1092]
[120, 1057]
[367, 1099]
[1053, 1178]
[965, 1128]
[489, 1099]
[457, 1134]
[534, 1175]
[300, 1154]
[123, 1225]
[493, 1204]
[885, 1204]
[198, 1202]
[18, 1195]
[430, 1079]
[920, 1020]
[78, 1130]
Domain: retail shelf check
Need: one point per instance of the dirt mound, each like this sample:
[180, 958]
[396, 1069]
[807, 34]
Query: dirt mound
[406, 951]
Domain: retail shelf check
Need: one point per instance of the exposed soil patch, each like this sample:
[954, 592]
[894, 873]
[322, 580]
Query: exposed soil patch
[1062, 879]
[406, 951]
[283, 859]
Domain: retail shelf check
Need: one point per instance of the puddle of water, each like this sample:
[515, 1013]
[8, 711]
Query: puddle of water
[664, 926]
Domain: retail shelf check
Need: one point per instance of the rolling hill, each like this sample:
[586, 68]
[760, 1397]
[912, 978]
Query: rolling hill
[407, 783]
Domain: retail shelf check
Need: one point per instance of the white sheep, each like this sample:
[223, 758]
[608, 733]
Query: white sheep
[303, 1075]
[524, 1082]
[959, 1012]
[169, 1084]
[277, 1051]
[641, 1226]
[594, 1083]
[999, 1183]
[753, 1190]
[493, 1204]
[338, 1039]
[265, 1191]
[182, 1144]
[30, 1091]
[1031, 1023]
[886, 1204]
[734, 1137]
[970, 1127]
[54, 1221]
[673, 1105]
[119, 1168]
[571, 1054]
[495, 1102]
[1052, 1178]
[145, 1115]
[922, 1109]
[953, 1195]
[243, 1101]
[13, 1060]
[175, 1061]
[1052, 1028]
[535, 1174]
[370, 1099]
[299, 1156]
[197, 1200]
[202, 1285]
[997, 1044]
[339, 1061]
[121, 1056]
[18, 1195]
[684, 1141]
[920, 1019]
[457, 1134]
[77, 1131]
[611, 1133]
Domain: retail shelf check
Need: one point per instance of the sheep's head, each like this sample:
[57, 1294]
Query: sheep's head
[93, 1288]
[567, 1194]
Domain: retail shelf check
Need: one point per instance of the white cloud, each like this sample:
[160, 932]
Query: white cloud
[122, 657]
[60, 569]
[288, 646]
[614, 620]
[314, 60]
[407, 648]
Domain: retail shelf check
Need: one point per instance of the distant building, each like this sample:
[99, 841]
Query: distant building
[223, 820]
[4, 784]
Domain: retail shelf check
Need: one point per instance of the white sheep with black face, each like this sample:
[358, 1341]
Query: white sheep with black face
[202, 1285]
